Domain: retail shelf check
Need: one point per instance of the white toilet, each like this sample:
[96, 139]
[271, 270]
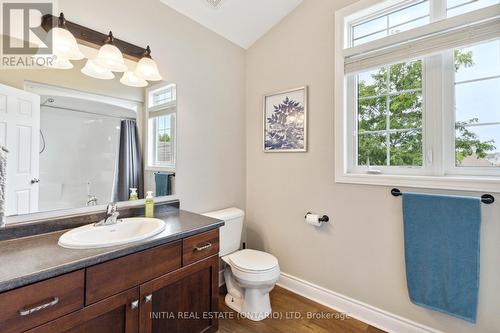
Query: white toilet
[249, 274]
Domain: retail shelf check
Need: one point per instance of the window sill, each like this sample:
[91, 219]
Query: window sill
[153, 168]
[459, 183]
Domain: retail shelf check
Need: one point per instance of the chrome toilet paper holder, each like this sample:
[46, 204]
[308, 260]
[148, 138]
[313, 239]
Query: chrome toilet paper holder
[322, 219]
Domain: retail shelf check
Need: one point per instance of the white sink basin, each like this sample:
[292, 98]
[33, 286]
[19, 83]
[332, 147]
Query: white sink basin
[125, 231]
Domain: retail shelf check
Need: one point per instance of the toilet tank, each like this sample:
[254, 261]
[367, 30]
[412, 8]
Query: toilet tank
[230, 233]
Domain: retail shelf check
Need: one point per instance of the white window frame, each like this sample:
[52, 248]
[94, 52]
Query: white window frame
[438, 169]
[163, 109]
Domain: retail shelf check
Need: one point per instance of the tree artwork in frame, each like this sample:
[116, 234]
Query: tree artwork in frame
[285, 121]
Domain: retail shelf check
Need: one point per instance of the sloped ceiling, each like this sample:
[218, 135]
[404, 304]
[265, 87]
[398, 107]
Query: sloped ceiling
[241, 21]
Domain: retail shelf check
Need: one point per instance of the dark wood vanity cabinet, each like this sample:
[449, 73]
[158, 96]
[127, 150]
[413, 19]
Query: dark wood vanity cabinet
[183, 301]
[152, 291]
[116, 314]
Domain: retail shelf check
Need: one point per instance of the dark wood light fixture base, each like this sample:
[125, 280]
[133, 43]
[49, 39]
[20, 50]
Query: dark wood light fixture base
[94, 39]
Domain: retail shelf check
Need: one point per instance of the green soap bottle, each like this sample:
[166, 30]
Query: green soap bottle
[150, 205]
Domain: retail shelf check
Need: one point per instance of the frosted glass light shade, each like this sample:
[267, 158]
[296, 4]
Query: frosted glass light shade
[64, 44]
[97, 72]
[130, 79]
[147, 69]
[110, 57]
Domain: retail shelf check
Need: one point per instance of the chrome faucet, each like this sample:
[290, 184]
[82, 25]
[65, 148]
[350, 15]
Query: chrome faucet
[111, 216]
[92, 200]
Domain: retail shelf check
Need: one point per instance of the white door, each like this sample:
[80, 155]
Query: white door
[19, 133]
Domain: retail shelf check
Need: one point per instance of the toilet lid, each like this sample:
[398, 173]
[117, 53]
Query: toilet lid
[253, 260]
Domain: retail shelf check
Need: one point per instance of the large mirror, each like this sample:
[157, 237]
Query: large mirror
[72, 141]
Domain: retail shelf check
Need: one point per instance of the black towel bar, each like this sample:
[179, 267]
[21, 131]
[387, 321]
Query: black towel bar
[486, 198]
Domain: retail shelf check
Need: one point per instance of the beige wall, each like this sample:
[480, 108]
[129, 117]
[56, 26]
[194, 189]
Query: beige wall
[361, 253]
[209, 73]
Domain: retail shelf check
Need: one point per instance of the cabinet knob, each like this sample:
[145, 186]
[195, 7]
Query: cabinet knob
[134, 305]
[148, 298]
[35, 181]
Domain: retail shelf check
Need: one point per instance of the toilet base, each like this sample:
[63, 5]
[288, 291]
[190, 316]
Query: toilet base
[254, 306]
[234, 303]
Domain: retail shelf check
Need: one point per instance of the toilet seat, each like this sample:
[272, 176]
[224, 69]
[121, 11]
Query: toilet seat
[253, 261]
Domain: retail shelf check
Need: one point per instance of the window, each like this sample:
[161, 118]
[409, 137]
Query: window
[418, 93]
[457, 7]
[390, 115]
[163, 96]
[161, 145]
[395, 21]
[477, 106]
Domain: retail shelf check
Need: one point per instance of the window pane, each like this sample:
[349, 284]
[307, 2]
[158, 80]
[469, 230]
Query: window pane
[396, 113]
[369, 27]
[408, 14]
[372, 83]
[401, 19]
[369, 38]
[372, 149]
[372, 114]
[406, 148]
[406, 111]
[457, 7]
[406, 76]
[479, 61]
[478, 100]
[410, 25]
[163, 95]
[164, 140]
[477, 146]
[477, 105]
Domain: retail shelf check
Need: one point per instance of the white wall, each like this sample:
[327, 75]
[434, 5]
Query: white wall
[209, 73]
[361, 253]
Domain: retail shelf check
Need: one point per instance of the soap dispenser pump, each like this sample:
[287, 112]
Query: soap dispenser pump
[133, 194]
[150, 205]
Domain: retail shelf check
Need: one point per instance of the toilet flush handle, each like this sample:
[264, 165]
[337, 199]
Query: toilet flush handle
[202, 247]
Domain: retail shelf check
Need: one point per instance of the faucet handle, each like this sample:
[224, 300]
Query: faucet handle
[111, 209]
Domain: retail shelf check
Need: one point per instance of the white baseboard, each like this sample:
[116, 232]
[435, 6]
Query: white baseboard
[366, 313]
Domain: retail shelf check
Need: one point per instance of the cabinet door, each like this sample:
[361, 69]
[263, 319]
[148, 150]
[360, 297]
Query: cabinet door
[184, 301]
[117, 314]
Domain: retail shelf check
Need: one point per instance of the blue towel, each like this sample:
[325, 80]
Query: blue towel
[442, 236]
[162, 182]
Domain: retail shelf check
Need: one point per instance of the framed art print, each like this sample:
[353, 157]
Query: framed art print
[285, 121]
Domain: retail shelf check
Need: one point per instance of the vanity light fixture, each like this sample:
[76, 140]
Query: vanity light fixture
[96, 71]
[110, 57]
[130, 79]
[147, 69]
[64, 44]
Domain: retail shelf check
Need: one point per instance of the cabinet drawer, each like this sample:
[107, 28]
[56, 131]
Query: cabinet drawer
[112, 277]
[200, 246]
[33, 305]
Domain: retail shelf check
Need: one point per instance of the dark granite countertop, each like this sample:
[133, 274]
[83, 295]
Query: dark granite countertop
[31, 259]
